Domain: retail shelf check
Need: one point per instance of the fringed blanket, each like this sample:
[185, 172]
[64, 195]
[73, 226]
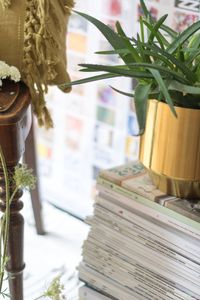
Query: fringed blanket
[33, 38]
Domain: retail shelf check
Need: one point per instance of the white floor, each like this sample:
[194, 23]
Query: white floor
[57, 252]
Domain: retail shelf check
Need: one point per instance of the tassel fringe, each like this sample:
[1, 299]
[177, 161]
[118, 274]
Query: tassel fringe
[5, 3]
[40, 52]
[41, 45]
[69, 4]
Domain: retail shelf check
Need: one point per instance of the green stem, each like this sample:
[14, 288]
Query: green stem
[6, 218]
[40, 297]
[13, 195]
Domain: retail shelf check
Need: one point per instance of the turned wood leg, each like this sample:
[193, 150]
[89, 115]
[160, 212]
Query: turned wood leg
[15, 265]
[15, 123]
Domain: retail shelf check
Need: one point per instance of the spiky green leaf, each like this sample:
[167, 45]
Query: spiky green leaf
[140, 100]
[146, 12]
[131, 95]
[155, 32]
[189, 74]
[173, 34]
[183, 37]
[137, 72]
[118, 70]
[163, 89]
[113, 52]
[112, 37]
[183, 88]
[128, 44]
[87, 80]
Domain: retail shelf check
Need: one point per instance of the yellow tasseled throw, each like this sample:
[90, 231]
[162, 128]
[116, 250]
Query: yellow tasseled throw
[5, 3]
[33, 38]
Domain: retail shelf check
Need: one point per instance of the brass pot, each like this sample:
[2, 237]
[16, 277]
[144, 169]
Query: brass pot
[170, 149]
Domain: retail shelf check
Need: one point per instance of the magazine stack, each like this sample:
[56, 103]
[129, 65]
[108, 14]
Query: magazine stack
[142, 244]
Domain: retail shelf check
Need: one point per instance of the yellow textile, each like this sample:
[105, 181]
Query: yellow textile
[33, 38]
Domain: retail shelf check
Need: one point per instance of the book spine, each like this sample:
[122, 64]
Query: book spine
[111, 287]
[133, 284]
[106, 285]
[129, 209]
[126, 273]
[142, 235]
[85, 293]
[152, 209]
[181, 275]
[134, 258]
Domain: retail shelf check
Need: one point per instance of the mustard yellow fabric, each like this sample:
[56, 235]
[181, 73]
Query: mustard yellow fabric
[5, 3]
[33, 38]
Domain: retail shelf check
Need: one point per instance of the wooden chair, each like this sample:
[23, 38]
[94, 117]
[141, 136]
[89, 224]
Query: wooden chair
[31, 161]
[15, 124]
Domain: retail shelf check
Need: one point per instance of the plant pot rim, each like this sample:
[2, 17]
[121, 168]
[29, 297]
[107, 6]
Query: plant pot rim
[176, 107]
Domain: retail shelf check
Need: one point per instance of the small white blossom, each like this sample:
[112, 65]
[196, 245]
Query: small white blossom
[14, 74]
[10, 72]
[4, 70]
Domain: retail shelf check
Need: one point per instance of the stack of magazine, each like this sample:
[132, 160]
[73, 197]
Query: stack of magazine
[142, 245]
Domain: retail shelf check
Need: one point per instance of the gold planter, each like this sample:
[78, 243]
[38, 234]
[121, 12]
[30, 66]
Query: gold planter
[170, 149]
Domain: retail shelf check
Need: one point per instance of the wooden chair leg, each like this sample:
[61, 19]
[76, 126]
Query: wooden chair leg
[15, 123]
[30, 160]
[15, 265]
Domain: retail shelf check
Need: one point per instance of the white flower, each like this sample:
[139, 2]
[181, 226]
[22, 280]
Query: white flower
[4, 70]
[7, 71]
[14, 74]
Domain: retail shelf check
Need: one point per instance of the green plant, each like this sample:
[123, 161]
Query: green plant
[164, 63]
[54, 291]
[23, 179]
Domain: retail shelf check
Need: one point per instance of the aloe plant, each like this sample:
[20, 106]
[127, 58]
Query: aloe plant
[166, 69]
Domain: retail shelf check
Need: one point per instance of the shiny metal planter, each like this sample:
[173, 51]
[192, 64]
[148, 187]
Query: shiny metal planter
[170, 149]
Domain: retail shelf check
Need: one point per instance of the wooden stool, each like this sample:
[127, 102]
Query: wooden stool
[15, 123]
